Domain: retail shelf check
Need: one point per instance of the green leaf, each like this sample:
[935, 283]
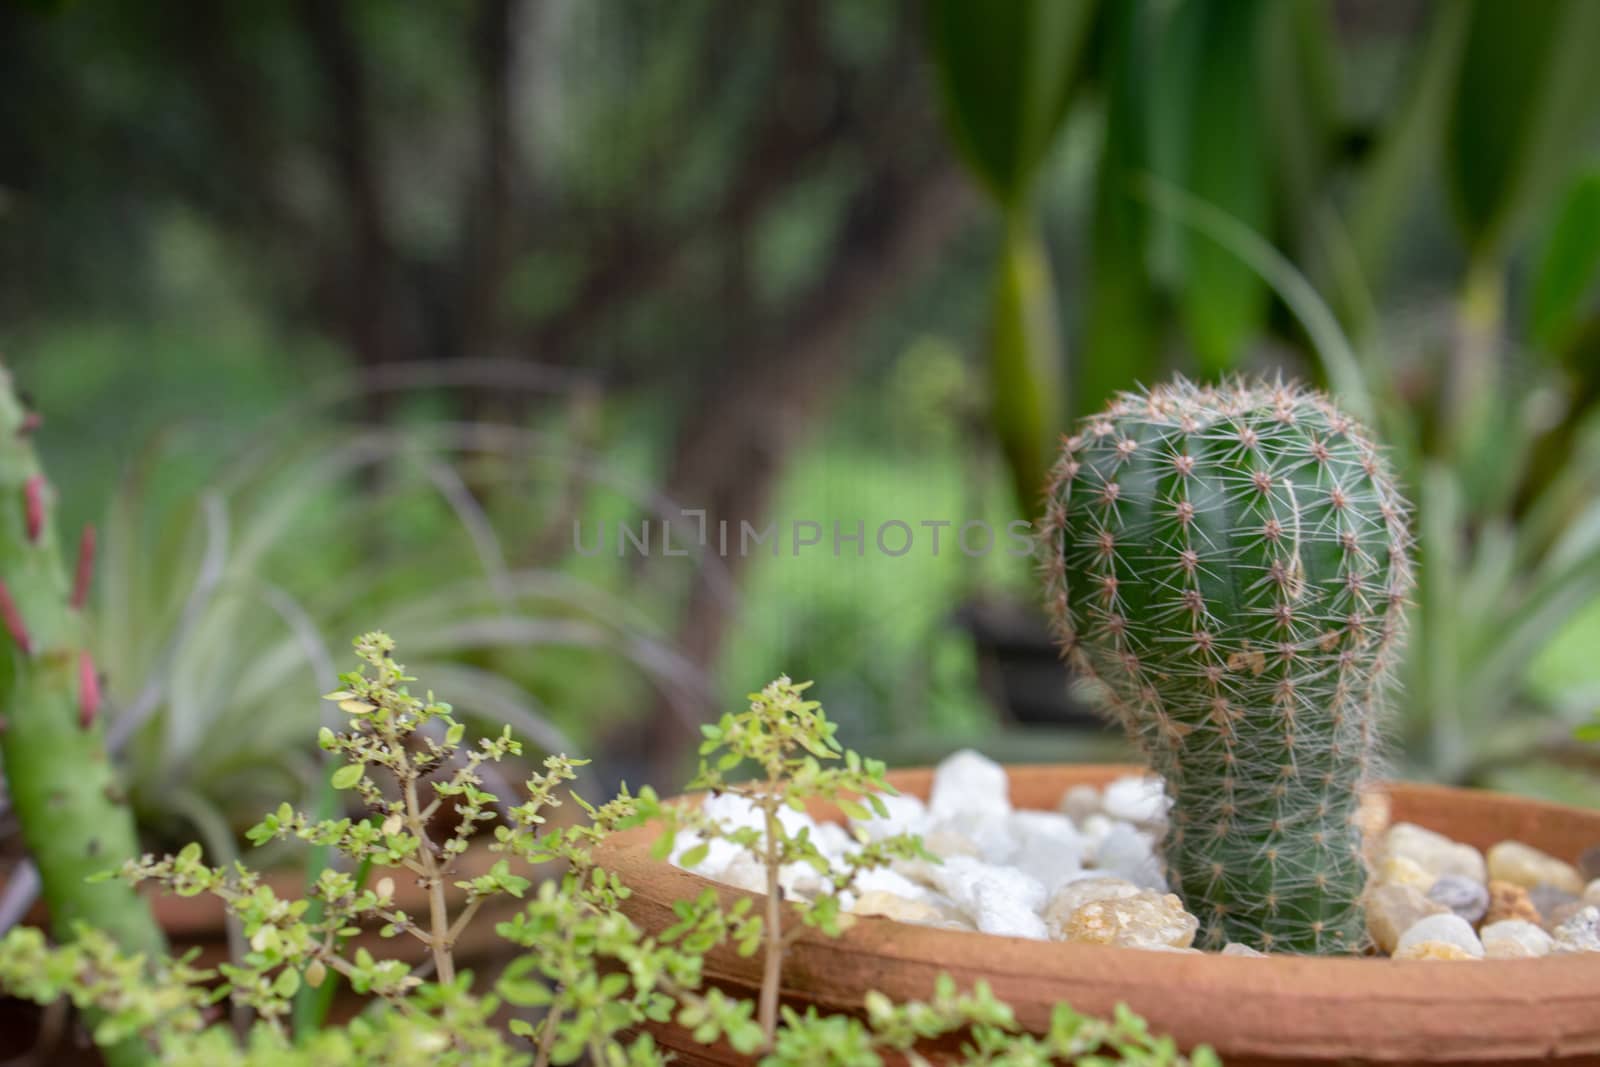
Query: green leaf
[1569, 265]
[1524, 105]
[695, 856]
[1406, 148]
[1222, 161]
[854, 809]
[1006, 70]
[1122, 333]
[1025, 362]
[288, 981]
[347, 776]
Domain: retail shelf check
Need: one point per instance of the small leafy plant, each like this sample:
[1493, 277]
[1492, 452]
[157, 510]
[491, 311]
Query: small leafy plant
[592, 976]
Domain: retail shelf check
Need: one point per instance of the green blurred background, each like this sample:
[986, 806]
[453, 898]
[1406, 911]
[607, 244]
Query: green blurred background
[341, 315]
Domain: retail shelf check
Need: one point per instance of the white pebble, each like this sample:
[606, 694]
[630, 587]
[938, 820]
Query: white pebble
[1235, 948]
[906, 814]
[1075, 894]
[1515, 939]
[1580, 933]
[995, 911]
[988, 831]
[1434, 852]
[1048, 847]
[1137, 799]
[1524, 865]
[967, 781]
[1130, 853]
[959, 877]
[1095, 829]
[1447, 927]
[885, 880]
[1080, 802]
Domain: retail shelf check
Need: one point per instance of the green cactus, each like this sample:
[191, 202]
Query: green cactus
[58, 773]
[1231, 564]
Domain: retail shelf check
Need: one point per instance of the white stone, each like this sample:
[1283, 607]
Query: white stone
[898, 908]
[1095, 829]
[1448, 928]
[998, 900]
[989, 832]
[1524, 865]
[942, 843]
[801, 880]
[1234, 948]
[834, 842]
[1075, 894]
[1591, 892]
[745, 873]
[1130, 853]
[1400, 870]
[1580, 933]
[1080, 802]
[1434, 950]
[1048, 847]
[1145, 920]
[1434, 852]
[719, 855]
[1515, 939]
[967, 782]
[1466, 898]
[1394, 908]
[906, 815]
[888, 880]
[1141, 800]
[995, 911]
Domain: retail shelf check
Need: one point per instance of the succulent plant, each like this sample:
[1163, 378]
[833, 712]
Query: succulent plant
[1231, 564]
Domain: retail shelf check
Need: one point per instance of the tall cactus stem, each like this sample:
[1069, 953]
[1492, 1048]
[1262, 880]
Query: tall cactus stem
[1231, 565]
[58, 772]
[83, 570]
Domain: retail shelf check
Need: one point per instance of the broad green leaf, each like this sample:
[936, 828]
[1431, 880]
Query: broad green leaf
[1024, 364]
[1301, 72]
[1122, 334]
[1524, 104]
[1406, 147]
[1223, 301]
[1569, 265]
[1006, 71]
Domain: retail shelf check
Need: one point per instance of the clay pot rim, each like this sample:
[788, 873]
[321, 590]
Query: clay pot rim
[1559, 977]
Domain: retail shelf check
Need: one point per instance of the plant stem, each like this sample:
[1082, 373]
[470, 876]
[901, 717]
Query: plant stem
[438, 913]
[547, 1037]
[772, 972]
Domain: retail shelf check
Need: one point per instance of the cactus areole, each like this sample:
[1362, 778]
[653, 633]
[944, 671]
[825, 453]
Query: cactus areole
[1231, 565]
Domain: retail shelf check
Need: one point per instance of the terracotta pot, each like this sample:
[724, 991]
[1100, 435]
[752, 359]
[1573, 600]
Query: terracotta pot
[1252, 1011]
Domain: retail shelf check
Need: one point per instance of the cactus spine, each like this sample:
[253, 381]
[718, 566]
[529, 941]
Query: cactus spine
[1232, 564]
[58, 773]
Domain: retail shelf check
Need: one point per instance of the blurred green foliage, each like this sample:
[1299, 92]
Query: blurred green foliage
[681, 212]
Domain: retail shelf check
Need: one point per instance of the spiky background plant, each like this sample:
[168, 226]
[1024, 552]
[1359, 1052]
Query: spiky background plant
[1232, 564]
